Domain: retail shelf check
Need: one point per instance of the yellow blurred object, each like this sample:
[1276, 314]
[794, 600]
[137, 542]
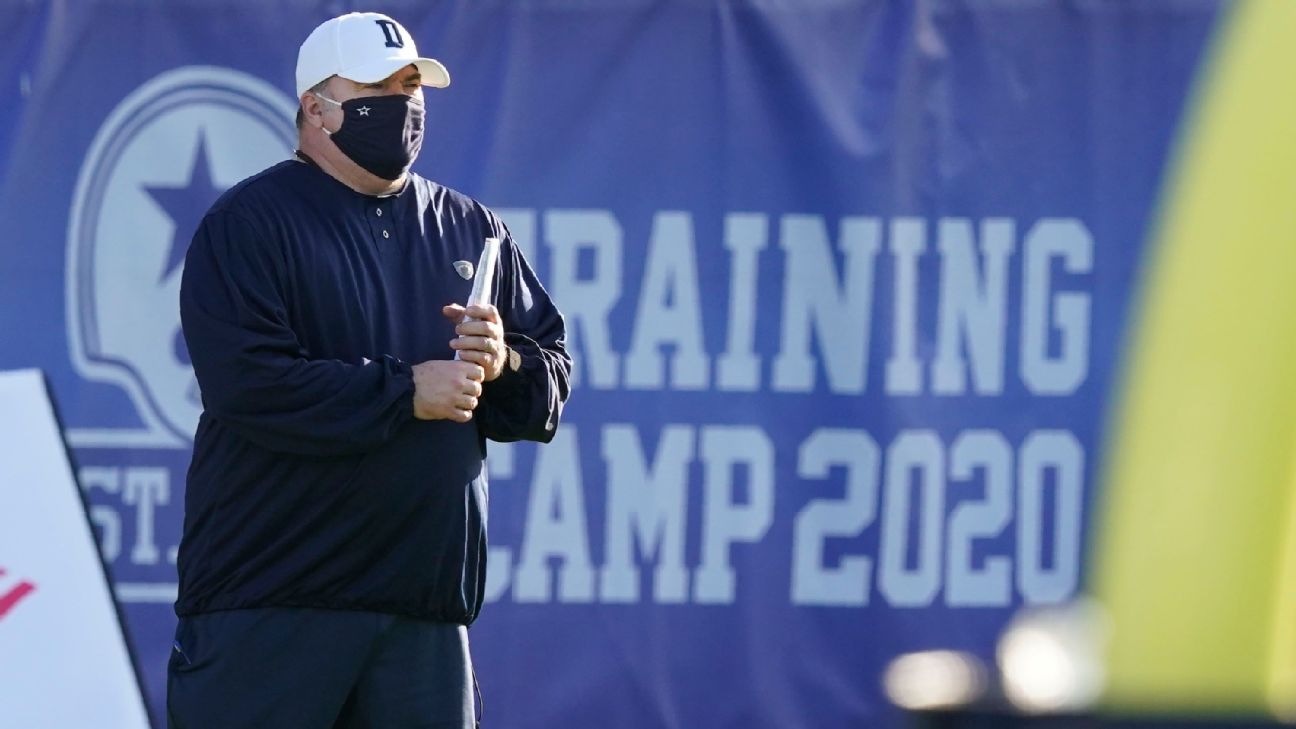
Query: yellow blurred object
[1194, 548]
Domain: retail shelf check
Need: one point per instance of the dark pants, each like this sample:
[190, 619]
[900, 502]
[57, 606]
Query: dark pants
[291, 668]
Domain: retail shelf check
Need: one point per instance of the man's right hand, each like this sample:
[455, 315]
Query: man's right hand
[446, 390]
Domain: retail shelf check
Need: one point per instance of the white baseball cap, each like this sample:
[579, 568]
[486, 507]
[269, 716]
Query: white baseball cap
[363, 47]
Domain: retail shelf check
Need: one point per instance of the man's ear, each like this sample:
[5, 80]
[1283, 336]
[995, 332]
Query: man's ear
[312, 110]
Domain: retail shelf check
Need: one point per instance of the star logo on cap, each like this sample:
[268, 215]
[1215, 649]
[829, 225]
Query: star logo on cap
[364, 111]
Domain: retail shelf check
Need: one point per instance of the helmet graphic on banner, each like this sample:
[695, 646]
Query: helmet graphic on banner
[159, 161]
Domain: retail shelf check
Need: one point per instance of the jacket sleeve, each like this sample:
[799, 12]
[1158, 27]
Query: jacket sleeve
[527, 404]
[254, 374]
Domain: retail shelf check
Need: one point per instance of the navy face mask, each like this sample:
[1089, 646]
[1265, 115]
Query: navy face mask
[382, 134]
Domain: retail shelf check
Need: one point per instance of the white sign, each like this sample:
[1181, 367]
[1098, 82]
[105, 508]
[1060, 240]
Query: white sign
[63, 656]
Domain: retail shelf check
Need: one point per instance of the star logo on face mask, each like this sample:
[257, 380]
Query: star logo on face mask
[364, 111]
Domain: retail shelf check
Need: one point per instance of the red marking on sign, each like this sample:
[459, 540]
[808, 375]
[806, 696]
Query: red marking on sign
[15, 594]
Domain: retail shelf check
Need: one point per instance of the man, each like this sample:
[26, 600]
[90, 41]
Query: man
[334, 545]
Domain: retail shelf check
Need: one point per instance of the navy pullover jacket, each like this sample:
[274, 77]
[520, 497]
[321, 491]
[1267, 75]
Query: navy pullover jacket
[304, 304]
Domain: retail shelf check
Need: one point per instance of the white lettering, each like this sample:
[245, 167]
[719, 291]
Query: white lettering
[975, 307]
[903, 370]
[839, 316]
[912, 451]
[587, 303]
[145, 489]
[724, 521]
[556, 527]
[106, 518]
[669, 311]
[645, 504]
[1043, 373]
[1057, 451]
[813, 583]
[988, 451]
[738, 368]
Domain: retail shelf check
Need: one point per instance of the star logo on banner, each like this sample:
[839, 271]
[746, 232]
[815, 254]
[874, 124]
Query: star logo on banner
[364, 111]
[186, 205]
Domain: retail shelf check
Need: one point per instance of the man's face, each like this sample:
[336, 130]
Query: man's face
[406, 81]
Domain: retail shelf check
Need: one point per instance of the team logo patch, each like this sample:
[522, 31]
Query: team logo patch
[464, 269]
[158, 162]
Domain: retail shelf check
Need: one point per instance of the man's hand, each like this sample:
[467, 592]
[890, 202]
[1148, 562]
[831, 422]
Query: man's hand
[481, 339]
[446, 390]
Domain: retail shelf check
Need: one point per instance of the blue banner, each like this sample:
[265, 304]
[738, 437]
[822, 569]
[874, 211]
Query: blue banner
[846, 284]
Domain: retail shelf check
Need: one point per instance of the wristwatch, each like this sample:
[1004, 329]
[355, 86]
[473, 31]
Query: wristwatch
[514, 360]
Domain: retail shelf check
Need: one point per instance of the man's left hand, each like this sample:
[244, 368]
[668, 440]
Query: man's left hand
[481, 337]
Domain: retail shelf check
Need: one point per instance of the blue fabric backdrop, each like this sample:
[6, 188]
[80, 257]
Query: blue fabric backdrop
[846, 280]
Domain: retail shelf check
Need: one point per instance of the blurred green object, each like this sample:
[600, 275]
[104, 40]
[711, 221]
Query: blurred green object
[987, 719]
[1193, 539]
